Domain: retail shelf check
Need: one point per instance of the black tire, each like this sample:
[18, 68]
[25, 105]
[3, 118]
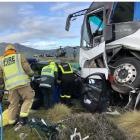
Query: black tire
[136, 83]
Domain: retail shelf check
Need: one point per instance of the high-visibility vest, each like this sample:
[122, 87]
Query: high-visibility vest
[66, 68]
[14, 74]
[49, 70]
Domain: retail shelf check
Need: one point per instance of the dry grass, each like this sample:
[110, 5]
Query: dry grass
[130, 121]
[97, 126]
[58, 112]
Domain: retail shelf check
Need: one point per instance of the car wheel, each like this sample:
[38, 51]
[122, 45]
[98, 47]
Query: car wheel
[126, 72]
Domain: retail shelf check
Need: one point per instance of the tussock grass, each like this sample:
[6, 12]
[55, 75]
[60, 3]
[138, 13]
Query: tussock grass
[58, 112]
[97, 126]
[130, 121]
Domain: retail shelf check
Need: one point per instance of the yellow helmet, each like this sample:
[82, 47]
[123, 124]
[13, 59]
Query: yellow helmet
[52, 63]
[10, 47]
[49, 60]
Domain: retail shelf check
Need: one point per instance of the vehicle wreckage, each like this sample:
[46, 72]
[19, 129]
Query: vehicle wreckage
[110, 43]
[109, 58]
[110, 46]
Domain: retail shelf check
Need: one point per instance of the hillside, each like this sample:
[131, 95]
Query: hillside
[30, 52]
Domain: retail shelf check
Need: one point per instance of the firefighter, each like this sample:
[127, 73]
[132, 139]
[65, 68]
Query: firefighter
[66, 82]
[16, 74]
[48, 83]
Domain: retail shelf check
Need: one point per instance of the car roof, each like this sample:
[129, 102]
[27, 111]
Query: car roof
[43, 62]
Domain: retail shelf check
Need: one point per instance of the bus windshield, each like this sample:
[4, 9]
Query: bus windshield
[96, 24]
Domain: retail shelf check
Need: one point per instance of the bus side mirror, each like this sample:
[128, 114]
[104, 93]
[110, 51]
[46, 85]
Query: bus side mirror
[67, 27]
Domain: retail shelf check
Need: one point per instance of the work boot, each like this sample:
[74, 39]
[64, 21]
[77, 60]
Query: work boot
[21, 123]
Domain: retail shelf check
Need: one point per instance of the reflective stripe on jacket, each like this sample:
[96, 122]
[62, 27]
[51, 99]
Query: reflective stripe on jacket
[65, 96]
[14, 75]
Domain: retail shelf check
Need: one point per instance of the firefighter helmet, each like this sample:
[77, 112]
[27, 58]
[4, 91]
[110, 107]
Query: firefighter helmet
[10, 47]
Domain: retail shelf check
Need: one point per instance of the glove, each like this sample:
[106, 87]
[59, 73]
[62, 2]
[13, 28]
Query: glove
[32, 78]
[58, 81]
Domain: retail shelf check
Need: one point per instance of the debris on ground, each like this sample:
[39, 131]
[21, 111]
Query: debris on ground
[113, 113]
[23, 136]
[96, 126]
[77, 135]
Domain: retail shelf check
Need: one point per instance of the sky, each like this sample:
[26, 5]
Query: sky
[40, 25]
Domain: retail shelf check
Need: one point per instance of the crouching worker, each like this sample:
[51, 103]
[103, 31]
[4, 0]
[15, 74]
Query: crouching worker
[48, 83]
[16, 71]
[67, 79]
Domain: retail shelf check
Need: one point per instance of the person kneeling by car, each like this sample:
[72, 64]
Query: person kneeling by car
[67, 83]
[48, 83]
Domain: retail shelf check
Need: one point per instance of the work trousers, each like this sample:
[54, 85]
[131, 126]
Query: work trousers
[21, 100]
[56, 94]
[47, 97]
